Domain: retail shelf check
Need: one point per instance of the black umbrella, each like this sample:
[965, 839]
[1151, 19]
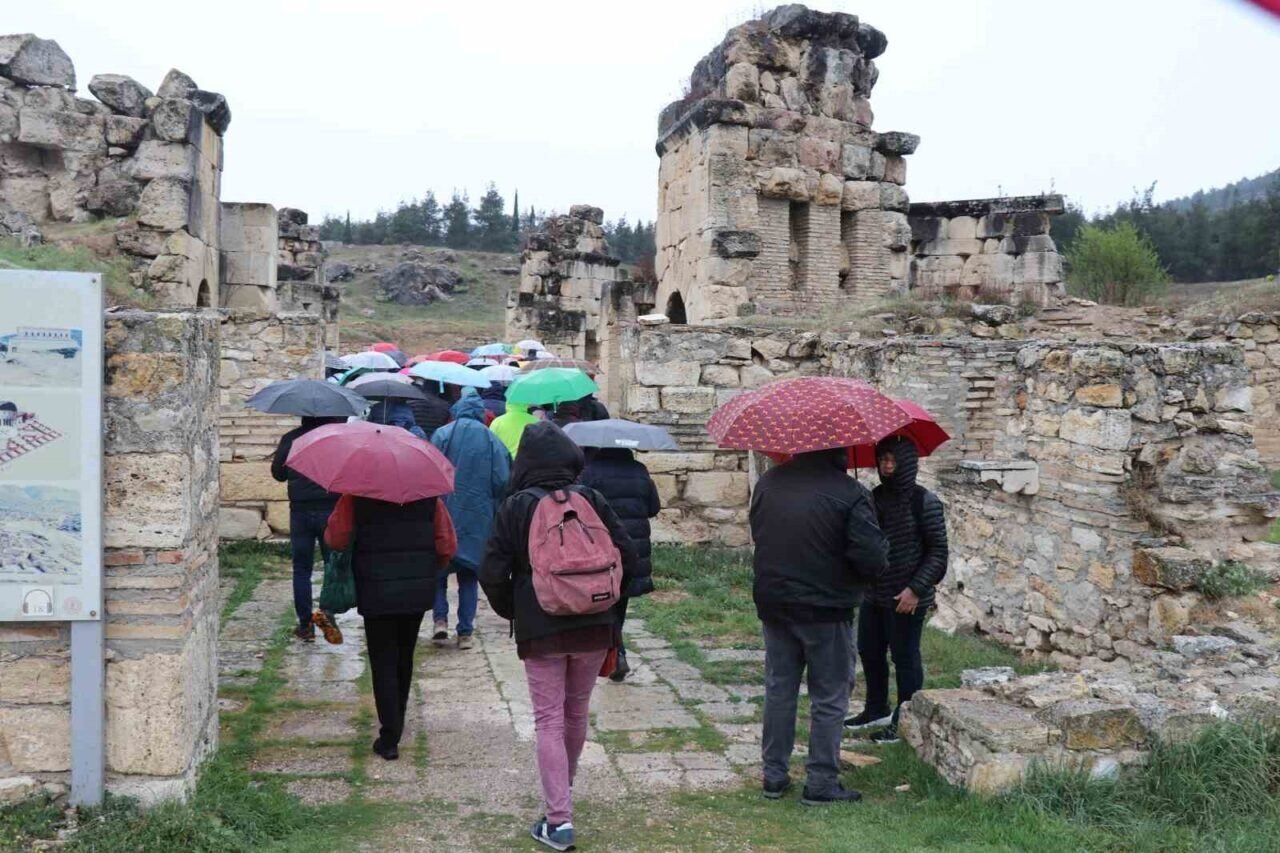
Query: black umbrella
[382, 389]
[616, 432]
[398, 357]
[308, 398]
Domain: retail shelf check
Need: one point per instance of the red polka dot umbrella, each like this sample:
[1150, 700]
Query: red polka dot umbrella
[811, 413]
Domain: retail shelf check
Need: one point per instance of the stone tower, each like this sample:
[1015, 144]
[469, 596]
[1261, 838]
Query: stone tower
[774, 193]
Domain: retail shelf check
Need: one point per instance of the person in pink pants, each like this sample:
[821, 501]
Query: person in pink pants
[562, 655]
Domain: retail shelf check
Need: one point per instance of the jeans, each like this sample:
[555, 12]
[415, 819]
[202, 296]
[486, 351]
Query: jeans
[390, 642]
[881, 631]
[560, 689]
[468, 598]
[823, 650]
[306, 527]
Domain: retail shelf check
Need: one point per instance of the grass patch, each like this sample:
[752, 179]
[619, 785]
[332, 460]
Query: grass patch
[248, 563]
[23, 822]
[77, 258]
[1231, 579]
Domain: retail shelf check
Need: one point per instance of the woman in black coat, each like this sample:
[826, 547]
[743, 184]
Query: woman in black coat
[627, 486]
[396, 551]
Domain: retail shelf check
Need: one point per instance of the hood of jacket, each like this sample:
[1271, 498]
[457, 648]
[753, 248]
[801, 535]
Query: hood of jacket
[310, 423]
[907, 458]
[470, 407]
[547, 458]
[496, 391]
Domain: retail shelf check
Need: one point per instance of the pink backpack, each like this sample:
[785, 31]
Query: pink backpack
[576, 567]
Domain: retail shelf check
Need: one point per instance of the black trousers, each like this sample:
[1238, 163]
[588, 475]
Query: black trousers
[391, 641]
[883, 631]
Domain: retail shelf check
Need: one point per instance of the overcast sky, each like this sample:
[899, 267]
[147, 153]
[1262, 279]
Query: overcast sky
[354, 106]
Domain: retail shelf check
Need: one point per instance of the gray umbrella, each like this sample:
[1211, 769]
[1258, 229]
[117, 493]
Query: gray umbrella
[382, 389]
[616, 432]
[308, 398]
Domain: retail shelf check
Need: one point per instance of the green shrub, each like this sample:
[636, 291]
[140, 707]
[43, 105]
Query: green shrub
[1231, 579]
[1116, 265]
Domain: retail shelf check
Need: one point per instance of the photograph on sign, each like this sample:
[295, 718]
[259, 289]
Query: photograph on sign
[50, 446]
[39, 434]
[41, 342]
[39, 534]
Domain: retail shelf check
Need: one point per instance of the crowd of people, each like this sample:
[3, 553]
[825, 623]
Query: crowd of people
[558, 537]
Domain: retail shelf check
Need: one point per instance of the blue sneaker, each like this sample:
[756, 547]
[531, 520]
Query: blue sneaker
[557, 838]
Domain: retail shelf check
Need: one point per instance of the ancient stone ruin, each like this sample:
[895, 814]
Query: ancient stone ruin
[1093, 474]
[173, 371]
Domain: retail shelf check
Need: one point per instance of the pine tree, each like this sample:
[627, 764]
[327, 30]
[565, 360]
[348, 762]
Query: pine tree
[493, 228]
[432, 219]
[457, 222]
[515, 213]
[347, 234]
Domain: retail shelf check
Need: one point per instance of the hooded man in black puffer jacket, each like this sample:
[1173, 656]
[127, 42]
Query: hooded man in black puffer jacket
[625, 483]
[892, 619]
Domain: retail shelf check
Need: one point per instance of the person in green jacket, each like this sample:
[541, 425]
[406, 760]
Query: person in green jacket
[509, 427]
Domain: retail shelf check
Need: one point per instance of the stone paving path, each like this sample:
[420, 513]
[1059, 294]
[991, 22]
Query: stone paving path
[469, 736]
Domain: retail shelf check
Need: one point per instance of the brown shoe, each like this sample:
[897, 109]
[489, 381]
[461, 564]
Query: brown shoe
[324, 621]
[305, 633]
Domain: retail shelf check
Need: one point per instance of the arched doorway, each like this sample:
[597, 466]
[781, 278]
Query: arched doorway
[202, 294]
[675, 309]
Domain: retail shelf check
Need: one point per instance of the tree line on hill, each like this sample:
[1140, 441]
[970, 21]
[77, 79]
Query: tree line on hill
[489, 226]
[1222, 235]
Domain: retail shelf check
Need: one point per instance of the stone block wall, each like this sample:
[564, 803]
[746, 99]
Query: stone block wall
[155, 160]
[248, 238]
[998, 249]
[258, 349]
[300, 258]
[161, 575]
[774, 193]
[1066, 460]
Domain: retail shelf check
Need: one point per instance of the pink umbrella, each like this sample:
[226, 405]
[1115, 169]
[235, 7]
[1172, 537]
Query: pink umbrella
[923, 430]
[372, 461]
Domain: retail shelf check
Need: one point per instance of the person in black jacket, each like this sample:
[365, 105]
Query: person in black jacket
[625, 483]
[817, 549]
[892, 621]
[433, 412]
[396, 551]
[562, 654]
[309, 508]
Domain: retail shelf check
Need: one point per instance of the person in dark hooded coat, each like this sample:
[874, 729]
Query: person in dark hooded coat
[892, 618]
[624, 481]
[562, 654]
[395, 412]
[433, 412]
[495, 399]
[309, 508]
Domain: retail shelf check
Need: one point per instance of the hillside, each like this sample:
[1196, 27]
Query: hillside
[1220, 198]
[474, 316]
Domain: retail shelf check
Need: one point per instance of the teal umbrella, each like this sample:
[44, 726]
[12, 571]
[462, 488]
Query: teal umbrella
[449, 374]
[550, 387]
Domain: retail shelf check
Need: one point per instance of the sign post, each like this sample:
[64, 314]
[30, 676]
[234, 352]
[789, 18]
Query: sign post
[51, 368]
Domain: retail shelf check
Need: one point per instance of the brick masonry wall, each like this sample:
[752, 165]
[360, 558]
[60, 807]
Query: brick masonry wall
[161, 574]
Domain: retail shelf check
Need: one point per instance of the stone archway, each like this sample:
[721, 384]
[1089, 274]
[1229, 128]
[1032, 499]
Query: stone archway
[675, 309]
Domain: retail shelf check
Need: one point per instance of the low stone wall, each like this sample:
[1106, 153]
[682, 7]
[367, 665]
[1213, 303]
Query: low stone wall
[258, 349]
[161, 576]
[995, 248]
[987, 734]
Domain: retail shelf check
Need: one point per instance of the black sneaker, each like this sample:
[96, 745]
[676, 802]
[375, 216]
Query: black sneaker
[776, 790]
[621, 670]
[889, 734]
[867, 720]
[305, 633]
[840, 794]
[390, 752]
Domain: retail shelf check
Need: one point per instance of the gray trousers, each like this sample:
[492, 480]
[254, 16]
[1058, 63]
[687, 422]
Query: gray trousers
[824, 649]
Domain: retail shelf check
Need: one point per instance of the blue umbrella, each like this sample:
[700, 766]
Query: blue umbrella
[491, 349]
[448, 373]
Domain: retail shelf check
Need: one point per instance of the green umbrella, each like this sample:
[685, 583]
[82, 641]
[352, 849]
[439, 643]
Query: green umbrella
[551, 386]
